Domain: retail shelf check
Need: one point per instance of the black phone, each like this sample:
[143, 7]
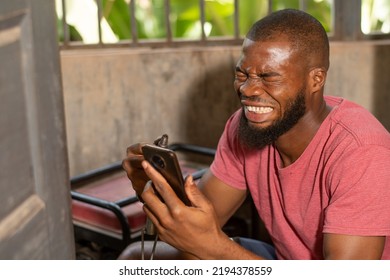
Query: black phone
[166, 163]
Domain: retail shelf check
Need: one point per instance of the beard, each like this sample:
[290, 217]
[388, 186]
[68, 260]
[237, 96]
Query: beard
[258, 138]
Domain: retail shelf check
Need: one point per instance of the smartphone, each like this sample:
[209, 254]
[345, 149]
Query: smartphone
[166, 163]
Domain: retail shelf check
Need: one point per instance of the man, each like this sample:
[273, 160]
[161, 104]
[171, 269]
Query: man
[316, 167]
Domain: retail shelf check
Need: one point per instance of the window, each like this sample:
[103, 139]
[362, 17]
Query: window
[375, 16]
[208, 22]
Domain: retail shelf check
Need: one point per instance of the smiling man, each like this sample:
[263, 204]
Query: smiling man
[315, 165]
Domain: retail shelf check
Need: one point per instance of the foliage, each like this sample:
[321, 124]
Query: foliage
[74, 35]
[118, 17]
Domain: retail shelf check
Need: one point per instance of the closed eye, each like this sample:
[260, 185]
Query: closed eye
[240, 75]
[270, 76]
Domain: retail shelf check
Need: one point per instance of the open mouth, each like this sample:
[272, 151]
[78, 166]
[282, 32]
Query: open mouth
[260, 115]
[259, 110]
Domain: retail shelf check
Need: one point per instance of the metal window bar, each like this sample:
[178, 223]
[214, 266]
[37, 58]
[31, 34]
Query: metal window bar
[202, 19]
[236, 20]
[303, 5]
[345, 26]
[167, 20]
[133, 22]
[270, 6]
[65, 29]
[99, 16]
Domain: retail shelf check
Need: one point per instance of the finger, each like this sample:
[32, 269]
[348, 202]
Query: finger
[133, 161]
[194, 194]
[153, 203]
[156, 220]
[131, 164]
[135, 149]
[153, 218]
[164, 189]
[134, 170]
[137, 176]
[134, 156]
[148, 192]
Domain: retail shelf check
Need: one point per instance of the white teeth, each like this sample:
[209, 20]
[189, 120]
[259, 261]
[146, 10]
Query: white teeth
[259, 110]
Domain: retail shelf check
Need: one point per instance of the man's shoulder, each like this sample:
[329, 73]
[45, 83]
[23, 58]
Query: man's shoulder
[353, 119]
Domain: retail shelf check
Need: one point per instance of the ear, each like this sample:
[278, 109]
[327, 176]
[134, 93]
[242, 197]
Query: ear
[317, 79]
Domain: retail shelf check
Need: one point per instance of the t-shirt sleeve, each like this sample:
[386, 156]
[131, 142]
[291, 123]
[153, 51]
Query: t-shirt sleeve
[359, 193]
[228, 164]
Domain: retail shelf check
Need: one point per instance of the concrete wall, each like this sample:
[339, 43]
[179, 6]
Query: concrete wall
[116, 97]
[361, 72]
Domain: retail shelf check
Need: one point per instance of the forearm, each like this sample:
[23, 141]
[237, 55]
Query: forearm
[224, 248]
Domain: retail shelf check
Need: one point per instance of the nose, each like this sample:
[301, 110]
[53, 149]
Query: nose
[250, 87]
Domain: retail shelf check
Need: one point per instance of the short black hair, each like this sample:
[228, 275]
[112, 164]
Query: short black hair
[305, 33]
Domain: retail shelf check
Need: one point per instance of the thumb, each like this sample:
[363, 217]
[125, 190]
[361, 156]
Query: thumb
[194, 194]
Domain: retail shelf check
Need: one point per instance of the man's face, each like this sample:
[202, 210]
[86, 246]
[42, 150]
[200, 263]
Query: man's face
[270, 82]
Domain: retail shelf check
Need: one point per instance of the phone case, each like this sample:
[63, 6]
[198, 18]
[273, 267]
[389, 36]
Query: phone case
[166, 163]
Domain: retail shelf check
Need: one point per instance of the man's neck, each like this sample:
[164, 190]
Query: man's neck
[293, 143]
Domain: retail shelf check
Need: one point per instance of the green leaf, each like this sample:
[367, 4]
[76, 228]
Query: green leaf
[117, 14]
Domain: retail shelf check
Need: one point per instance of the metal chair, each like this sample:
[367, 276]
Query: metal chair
[107, 215]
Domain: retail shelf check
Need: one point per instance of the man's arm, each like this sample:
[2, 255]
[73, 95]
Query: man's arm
[225, 199]
[351, 247]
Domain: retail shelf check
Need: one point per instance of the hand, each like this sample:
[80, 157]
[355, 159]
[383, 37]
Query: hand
[193, 229]
[132, 166]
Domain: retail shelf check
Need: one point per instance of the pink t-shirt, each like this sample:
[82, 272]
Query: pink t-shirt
[340, 184]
